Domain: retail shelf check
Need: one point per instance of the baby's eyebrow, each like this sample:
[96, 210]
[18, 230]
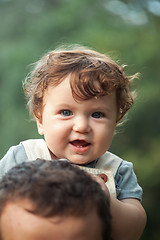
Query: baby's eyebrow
[100, 107]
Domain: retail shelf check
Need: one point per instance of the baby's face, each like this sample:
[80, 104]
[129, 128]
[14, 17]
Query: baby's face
[78, 131]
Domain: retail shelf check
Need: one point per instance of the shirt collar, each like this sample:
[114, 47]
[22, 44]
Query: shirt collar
[89, 165]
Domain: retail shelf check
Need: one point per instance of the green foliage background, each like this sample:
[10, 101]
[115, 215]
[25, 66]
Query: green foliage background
[128, 31]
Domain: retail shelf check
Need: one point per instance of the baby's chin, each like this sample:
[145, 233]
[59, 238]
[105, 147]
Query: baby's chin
[80, 161]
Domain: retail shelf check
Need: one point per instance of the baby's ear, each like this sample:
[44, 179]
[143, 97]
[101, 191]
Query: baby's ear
[40, 126]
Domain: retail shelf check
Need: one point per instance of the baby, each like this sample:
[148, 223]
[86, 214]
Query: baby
[77, 97]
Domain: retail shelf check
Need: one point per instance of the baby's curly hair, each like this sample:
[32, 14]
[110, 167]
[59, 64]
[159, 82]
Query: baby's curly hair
[92, 74]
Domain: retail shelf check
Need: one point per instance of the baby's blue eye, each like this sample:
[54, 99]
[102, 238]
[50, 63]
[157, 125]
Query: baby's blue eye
[66, 113]
[97, 115]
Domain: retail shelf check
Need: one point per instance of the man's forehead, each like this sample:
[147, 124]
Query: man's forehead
[18, 223]
[18, 205]
[15, 210]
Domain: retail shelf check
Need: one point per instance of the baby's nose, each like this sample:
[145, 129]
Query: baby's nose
[81, 125]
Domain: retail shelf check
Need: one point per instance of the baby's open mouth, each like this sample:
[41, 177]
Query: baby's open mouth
[80, 143]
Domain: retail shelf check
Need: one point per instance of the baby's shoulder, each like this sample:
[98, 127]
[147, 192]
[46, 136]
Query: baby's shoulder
[36, 148]
[109, 161]
[15, 155]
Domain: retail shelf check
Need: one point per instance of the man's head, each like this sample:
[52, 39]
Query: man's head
[52, 200]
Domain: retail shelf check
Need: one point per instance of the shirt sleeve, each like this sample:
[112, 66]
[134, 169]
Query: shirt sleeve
[126, 182]
[14, 156]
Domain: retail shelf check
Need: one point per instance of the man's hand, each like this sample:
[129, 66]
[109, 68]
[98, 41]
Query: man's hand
[102, 179]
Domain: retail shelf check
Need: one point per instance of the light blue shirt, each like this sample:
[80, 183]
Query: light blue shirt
[125, 178]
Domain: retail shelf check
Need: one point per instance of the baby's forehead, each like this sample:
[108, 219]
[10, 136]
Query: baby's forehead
[68, 88]
[85, 86]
